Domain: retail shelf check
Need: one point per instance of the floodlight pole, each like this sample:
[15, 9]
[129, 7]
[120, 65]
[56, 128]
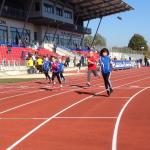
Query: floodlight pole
[2, 6]
[100, 21]
[84, 33]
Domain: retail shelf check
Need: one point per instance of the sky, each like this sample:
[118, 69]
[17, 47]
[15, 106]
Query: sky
[118, 32]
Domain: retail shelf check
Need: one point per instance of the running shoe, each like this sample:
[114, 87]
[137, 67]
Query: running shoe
[108, 92]
[88, 84]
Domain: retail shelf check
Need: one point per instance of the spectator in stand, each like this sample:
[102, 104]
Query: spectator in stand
[39, 64]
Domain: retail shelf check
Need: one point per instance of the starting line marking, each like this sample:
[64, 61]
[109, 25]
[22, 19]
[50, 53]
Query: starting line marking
[58, 118]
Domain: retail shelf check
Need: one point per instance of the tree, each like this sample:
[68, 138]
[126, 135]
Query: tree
[88, 40]
[99, 41]
[137, 42]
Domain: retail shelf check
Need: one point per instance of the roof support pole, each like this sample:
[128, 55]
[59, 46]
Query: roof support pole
[100, 21]
[84, 33]
[55, 33]
[2, 6]
[74, 28]
[26, 19]
[47, 27]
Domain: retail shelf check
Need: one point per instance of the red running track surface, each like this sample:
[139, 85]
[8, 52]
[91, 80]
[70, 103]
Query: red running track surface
[37, 116]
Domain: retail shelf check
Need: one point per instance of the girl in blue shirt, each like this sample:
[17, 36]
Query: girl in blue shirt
[106, 69]
[46, 68]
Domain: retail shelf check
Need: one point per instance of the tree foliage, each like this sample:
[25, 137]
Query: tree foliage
[137, 42]
[99, 41]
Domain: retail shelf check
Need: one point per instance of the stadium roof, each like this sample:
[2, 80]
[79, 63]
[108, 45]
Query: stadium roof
[91, 9]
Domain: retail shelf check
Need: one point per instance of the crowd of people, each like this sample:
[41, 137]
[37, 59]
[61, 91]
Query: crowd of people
[56, 67]
[46, 64]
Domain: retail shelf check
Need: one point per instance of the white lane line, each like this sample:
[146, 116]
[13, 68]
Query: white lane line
[111, 97]
[55, 88]
[58, 118]
[116, 128]
[60, 112]
[1, 99]
[13, 108]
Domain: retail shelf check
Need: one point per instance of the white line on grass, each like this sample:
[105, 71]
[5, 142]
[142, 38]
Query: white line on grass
[116, 128]
[60, 112]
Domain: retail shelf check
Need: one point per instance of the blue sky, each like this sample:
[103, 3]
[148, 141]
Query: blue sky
[118, 33]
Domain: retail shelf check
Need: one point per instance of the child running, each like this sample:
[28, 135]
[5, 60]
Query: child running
[61, 70]
[106, 68]
[46, 68]
[92, 68]
[55, 71]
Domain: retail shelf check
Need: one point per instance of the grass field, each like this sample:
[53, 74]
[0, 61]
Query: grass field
[15, 80]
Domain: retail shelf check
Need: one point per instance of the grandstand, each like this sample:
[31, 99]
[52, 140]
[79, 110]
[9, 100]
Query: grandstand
[31, 24]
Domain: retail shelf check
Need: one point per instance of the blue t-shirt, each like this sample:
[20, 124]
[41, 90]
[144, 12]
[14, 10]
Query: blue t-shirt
[46, 65]
[105, 64]
[61, 67]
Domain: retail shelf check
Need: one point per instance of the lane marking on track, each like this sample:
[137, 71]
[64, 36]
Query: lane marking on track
[58, 118]
[60, 112]
[13, 108]
[4, 98]
[28, 87]
[38, 90]
[28, 103]
[96, 97]
[116, 128]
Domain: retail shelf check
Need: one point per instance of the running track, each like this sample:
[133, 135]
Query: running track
[36, 116]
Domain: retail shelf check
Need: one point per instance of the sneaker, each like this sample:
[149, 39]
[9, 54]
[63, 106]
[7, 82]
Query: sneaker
[88, 84]
[61, 86]
[108, 93]
[111, 90]
[54, 83]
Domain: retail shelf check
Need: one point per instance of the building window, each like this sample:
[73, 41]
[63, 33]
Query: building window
[59, 11]
[48, 8]
[50, 37]
[3, 34]
[37, 6]
[16, 35]
[68, 14]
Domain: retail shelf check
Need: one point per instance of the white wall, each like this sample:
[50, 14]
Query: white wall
[120, 56]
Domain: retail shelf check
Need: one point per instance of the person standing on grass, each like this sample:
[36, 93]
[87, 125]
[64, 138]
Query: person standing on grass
[92, 68]
[55, 71]
[106, 69]
[46, 68]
